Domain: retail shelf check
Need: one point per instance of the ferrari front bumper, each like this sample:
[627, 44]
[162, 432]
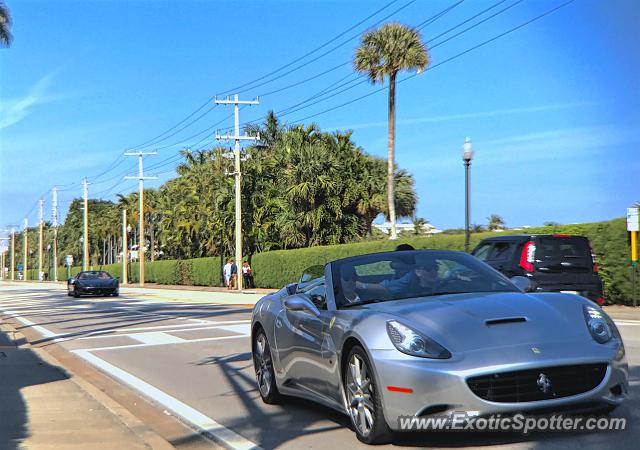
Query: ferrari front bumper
[412, 386]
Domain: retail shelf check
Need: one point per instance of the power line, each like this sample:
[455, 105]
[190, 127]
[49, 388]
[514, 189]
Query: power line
[300, 58]
[323, 54]
[477, 24]
[146, 143]
[291, 109]
[546, 13]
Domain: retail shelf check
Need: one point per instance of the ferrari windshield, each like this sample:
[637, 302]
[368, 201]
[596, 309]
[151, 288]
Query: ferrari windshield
[409, 274]
[94, 275]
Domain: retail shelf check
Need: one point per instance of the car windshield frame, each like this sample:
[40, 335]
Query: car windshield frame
[448, 270]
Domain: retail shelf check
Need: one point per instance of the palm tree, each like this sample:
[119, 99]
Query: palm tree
[495, 222]
[5, 25]
[383, 53]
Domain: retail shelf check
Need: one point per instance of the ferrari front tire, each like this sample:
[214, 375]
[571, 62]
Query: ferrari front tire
[364, 403]
[263, 365]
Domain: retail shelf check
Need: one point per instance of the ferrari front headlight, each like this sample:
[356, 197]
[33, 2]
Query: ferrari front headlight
[409, 341]
[597, 324]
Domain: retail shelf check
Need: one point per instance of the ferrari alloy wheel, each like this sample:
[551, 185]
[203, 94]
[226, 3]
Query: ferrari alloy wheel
[263, 364]
[363, 403]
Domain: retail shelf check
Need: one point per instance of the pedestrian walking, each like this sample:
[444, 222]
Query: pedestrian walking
[247, 275]
[226, 271]
[233, 281]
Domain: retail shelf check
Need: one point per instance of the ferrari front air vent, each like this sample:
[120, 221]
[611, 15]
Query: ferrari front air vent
[504, 320]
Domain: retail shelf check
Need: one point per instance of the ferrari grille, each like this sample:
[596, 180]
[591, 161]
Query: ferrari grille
[537, 384]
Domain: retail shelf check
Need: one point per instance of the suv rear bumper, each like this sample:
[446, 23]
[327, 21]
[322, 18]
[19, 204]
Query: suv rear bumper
[592, 292]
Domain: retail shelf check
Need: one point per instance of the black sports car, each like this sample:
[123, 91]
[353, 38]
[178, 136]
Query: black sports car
[93, 282]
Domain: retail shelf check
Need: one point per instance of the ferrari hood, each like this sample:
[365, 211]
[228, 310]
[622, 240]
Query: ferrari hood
[466, 322]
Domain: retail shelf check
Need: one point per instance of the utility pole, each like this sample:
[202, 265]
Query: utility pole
[40, 233]
[26, 253]
[141, 178]
[13, 253]
[54, 216]
[2, 252]
[237, 174]
[85, 241]
[125, 252]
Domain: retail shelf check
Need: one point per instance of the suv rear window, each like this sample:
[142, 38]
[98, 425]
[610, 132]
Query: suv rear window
[564, 253]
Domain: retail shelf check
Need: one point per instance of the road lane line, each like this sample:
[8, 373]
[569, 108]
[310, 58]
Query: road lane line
[244, 328]
[40, 329]
[627, 322]
[124, 347]
[168, 328]
[202, 423]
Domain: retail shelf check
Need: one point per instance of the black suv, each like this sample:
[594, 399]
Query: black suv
[553, 262]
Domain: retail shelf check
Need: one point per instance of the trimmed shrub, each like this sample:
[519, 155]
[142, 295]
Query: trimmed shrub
[161, 272]
[205, 271]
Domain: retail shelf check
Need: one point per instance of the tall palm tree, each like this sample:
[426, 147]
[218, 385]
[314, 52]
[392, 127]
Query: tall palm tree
[5, 25]
[383, 53]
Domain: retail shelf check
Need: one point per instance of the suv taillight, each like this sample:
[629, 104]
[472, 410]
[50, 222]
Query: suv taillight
[527, 257]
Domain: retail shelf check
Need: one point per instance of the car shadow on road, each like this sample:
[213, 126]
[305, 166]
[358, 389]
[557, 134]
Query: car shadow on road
[19, 369]
[271, 426]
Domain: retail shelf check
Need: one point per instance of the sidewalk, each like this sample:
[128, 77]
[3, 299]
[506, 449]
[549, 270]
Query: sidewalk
[44, 407]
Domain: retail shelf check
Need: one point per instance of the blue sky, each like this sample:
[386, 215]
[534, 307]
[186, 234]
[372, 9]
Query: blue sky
[552, 108]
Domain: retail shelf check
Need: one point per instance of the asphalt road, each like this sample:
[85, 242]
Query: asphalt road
[194, 362]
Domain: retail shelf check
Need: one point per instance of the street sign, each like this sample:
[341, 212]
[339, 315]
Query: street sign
[20, 267]
[69, 260]
[633, 222]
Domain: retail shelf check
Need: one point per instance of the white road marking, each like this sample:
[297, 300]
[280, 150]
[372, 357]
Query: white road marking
[156, 338]
[244, 328]
[627, 322]
[184, 341]
[205, 424]
[105, 334]
[42, 330]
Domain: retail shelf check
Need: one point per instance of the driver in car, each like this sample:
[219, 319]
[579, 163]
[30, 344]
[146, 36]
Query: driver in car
[421, 280]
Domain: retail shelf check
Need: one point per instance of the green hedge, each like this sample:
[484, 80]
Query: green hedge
[205, 271]
[278, 268]
[608, 239]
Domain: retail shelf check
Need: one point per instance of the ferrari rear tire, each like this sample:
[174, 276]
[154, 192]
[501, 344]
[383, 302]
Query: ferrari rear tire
[364, 403]
[263, 365]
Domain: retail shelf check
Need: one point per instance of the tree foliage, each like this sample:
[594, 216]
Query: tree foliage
[301, 187]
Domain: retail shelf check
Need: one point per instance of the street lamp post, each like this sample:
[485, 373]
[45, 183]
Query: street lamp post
[467, 156]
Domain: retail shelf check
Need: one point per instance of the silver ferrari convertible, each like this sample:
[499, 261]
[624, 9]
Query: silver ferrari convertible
[414, 333]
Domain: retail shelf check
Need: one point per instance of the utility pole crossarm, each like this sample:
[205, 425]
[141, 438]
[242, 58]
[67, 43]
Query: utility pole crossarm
[235, 101]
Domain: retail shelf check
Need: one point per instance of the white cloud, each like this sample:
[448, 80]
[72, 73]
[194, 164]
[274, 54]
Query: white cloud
[461, 116]
[13, 111]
